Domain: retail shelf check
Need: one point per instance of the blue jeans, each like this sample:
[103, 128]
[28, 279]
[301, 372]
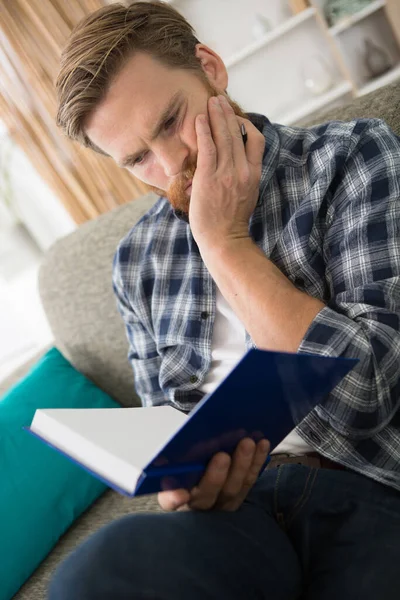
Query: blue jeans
[303, 533]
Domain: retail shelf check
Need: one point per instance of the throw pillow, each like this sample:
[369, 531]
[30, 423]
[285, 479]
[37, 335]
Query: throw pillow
[41, 492]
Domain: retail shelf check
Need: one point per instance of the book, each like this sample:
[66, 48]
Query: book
[145, 450]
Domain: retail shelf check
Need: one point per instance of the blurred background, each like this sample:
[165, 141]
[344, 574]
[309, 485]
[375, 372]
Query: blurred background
[288, 59]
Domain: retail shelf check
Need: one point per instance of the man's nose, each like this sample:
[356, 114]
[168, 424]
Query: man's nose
[173, 159]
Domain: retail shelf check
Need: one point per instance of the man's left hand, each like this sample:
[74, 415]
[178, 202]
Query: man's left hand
[225, 186]
[226, 482]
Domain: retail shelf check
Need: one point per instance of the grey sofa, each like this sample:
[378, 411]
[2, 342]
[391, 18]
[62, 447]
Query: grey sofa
[75, 287]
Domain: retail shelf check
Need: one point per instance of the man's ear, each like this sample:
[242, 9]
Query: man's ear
[213, 67]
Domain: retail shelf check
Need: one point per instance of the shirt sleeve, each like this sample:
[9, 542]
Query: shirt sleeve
[142, 353]
[362, 317]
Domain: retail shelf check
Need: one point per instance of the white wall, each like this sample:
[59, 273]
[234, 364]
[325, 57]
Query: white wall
[39, 209]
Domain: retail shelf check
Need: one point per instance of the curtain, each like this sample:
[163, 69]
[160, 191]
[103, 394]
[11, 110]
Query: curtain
[32, 35]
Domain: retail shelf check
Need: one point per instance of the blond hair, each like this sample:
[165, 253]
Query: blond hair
[102, 43]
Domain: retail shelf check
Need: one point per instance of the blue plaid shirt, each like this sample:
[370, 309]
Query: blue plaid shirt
[328, 215]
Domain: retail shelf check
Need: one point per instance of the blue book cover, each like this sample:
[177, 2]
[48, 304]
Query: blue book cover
[265, 396]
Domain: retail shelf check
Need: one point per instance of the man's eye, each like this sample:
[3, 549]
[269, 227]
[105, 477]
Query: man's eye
[167, 125]
[139, 159]
[171, 121]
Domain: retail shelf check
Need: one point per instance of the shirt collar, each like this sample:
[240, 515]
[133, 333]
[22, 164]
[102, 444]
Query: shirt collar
[271, 150]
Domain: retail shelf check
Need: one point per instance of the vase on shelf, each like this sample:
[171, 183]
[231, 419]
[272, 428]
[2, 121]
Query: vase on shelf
[317, 75]
[376, 60]
[338, 10]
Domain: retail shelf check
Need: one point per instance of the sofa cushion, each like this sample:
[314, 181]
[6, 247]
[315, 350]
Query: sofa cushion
[75, 283]
[383, 104]
[41, 492]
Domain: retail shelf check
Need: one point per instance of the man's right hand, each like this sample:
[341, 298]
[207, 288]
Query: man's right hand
[226, 482]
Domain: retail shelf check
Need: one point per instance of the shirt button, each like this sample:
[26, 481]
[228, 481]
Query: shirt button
[204, 314]
[193, 379]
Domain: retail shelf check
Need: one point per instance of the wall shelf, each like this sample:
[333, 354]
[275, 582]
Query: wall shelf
[270, 37]
[315, 104]
[268, 74]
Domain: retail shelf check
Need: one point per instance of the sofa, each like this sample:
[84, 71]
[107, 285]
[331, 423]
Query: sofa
[76, 292]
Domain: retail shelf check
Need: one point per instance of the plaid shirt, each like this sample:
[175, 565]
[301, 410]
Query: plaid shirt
[328, 215]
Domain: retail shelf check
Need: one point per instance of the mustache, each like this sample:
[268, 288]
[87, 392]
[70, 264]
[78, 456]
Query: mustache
[181, 182]
[177, 195]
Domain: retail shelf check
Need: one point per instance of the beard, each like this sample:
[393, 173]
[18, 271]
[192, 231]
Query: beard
[176, 194]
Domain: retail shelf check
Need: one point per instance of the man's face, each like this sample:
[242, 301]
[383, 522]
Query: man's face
[146, 123]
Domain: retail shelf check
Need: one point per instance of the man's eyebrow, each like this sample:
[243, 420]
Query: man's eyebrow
[130, 158]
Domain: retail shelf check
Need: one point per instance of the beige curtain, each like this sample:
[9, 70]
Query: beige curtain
[32, 34]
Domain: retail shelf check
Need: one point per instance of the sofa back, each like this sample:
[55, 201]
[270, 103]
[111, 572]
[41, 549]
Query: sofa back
[76, 291]
[382, 104]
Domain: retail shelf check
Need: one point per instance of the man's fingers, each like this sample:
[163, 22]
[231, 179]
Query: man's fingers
[204, 496]
[259, 457]
[240, 466]
[221, 133]
[206, 150]
[173, 499]
[225, 483]
[238, 149]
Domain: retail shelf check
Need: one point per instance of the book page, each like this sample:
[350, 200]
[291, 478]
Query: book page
[116, 443]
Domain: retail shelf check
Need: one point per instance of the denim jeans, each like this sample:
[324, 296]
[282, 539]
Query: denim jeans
[303, 533]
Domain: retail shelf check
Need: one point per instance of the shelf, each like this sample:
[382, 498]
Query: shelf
[381, 81]
[357, 17]
[315, 104]
[270, 37]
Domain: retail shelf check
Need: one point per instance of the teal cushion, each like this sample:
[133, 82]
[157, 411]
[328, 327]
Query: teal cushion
[41, 492]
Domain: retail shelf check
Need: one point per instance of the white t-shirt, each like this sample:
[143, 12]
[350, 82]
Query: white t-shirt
[228, 347]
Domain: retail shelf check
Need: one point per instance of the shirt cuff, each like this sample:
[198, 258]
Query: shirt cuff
[329, 334]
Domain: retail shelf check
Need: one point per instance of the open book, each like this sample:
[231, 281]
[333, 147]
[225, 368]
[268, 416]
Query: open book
[145, 450]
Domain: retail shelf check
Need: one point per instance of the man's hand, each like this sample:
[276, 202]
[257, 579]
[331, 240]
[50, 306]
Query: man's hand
[225, 187]
[226, 482]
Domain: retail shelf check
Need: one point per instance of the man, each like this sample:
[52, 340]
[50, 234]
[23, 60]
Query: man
[289, 242]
